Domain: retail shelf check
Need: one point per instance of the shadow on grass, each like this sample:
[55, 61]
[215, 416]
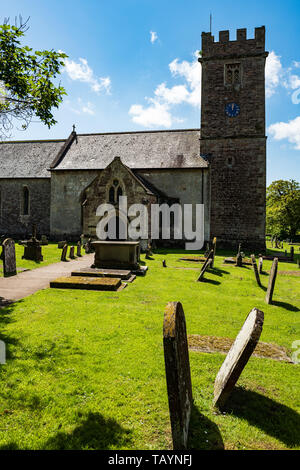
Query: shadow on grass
[272, 417]
[286, 306]
[6, 309]
[94, 433]
[218, 271]
[203, 433]
[210, 281]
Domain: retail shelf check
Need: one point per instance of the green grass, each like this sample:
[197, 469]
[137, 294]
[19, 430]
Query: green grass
[50, 252]
[85, 370]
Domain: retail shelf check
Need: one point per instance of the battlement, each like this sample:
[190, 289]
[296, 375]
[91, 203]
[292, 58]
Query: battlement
[238, 47]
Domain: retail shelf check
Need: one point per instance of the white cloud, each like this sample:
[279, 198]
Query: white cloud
[81, 107]
[82, 72]
[273, 73]
[153, 36]
[296, 64]
[156, 114]
[287, 130]
[159, 110]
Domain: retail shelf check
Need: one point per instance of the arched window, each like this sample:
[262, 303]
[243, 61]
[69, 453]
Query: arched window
[115, 191]
[111, 195]
[25, 200]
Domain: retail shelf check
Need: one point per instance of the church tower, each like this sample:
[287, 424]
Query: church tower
[233, 136]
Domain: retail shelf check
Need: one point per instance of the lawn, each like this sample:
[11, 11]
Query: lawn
[85, 370]
[50, 252]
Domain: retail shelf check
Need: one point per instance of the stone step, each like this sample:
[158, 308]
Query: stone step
[97, 272]
[86, 283]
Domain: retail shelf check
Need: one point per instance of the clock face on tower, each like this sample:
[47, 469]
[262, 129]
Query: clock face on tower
[232, 109]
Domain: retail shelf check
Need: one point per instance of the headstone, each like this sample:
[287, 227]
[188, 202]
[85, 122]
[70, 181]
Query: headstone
[64, 253]
[164, 263]
[72, 254]
[178, 373]
[206, 265]
[238, 356]
[78, 252]
[254, 265]
[88, 246]
[239, 260]
[214, 243]
[32, 249]
[61, 244]
[292, 253]
[9, 257]
[272, 279]
[44, 240]
[260, 264]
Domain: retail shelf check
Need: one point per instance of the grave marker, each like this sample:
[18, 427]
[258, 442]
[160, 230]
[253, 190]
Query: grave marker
[238, 356]
[78, 252]
[64, 253]
[272, 279]
[254, 265]
[214, 251]
[178, 373]
[260, 264]
[292, 253]
[206, 264]
[72, 255]
[9, 257]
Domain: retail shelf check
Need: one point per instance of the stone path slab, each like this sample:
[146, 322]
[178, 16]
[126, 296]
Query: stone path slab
[29, 282]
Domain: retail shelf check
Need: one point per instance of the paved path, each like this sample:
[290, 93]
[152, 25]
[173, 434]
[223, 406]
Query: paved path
[27, 282]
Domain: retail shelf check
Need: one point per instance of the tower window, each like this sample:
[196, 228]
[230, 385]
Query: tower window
[232, 74]
[25, 200]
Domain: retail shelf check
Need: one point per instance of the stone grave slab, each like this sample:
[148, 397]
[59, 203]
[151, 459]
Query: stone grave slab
[271, 283]
[72, 253]
[86, 283]
[9, 257]
[94, 272]
[178, 373]
[238, 356]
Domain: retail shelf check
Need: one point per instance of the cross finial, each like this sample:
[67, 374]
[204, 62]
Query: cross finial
[73, 127]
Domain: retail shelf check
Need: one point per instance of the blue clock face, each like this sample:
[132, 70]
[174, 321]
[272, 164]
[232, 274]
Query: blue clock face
[232, 109]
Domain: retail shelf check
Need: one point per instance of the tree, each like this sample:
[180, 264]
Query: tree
[26, 80]
[283, 208]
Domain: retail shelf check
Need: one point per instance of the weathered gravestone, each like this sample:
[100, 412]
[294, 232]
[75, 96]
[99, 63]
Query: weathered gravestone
[206, 265]
[214, 247]
[9, 257]
[178, 373]
[44, 240]
[164, 263]
[239, 258]
[72, 254]
[254, 265]
[238, 356]
[272, 279]
[32, 248]
[78, 252]
[61, 244]
[260, 264]
[64, 253]
[292, 253]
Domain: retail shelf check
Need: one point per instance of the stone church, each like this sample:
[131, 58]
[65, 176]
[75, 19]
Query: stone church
[58, 184]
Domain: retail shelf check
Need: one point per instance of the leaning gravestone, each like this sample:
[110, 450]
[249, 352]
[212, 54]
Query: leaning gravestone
[272, 279]
[64, 253]
[292, 253]
[78, 251]
[254, 265]
[178, 373]
[238, 356]
[206, 264]
[260, 264]
[9, 257]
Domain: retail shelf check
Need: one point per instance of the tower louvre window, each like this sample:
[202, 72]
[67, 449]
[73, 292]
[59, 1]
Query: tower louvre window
[232, 74]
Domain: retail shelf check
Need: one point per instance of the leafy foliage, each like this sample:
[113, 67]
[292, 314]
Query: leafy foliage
[26, 80]
[283, 208]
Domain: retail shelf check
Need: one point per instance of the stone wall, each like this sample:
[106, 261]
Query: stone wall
[12, 220]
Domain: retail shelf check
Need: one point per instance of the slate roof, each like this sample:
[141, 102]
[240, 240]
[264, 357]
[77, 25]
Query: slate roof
[138, 150]
[28, 159]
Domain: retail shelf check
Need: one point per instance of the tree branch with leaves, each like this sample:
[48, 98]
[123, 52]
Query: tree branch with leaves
[26, 80]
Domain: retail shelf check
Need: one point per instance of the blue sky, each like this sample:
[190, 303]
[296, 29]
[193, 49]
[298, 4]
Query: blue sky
[132, 65]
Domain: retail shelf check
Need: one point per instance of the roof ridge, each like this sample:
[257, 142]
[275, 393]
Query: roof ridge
[141, 132]
[31, 141]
